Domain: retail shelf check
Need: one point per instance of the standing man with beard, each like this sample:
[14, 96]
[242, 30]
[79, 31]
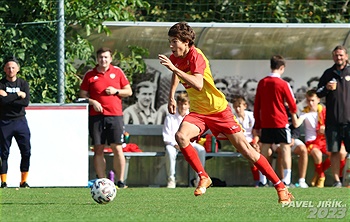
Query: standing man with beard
[334, 84]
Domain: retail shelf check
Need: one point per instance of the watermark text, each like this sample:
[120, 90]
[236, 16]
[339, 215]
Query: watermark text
[321, 209]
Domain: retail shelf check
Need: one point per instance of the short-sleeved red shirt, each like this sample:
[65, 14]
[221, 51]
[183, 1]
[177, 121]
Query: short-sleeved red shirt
[96, 83]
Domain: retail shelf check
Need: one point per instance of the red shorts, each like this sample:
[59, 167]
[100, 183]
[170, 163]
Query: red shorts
[219, 123]
[318, 143]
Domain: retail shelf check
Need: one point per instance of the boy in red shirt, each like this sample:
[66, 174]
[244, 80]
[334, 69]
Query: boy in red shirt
[271, 118]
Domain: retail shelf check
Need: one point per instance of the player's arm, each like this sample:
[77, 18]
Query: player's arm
[171, 99]
[195, 80]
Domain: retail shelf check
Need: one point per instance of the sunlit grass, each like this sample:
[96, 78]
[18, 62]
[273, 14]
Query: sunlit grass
[162, 204]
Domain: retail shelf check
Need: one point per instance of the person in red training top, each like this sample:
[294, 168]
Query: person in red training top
[271, 118]
[209, 109]
[105, 86]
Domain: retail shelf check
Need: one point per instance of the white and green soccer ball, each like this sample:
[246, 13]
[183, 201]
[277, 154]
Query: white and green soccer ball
[103, 191]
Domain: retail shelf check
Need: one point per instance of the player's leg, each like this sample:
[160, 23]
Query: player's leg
[188, 130]
[170, 165]
[239, 141]
[255, 174]
[201, 154]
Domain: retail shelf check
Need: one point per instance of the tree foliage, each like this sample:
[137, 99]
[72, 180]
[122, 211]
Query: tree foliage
[29, 28]
[275, 11]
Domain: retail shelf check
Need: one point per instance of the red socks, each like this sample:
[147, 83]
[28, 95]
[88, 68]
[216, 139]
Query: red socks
[265, 168]
[326, 164]
[255, 173]
[342, 165]
[191, 156]
[319, 169]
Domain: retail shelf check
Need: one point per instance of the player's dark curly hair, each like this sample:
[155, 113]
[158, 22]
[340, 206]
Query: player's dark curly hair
[183, 32]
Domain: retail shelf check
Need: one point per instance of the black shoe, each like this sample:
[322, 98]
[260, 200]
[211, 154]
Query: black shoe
[24, 185]
[263, 185]
[121, 185]
[3, 185]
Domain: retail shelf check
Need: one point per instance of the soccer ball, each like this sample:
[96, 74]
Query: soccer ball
[103, 191]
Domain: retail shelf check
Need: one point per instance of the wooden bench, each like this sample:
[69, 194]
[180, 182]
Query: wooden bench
[155, 130]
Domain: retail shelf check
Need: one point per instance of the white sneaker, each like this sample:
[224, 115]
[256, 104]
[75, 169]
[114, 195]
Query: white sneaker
[171, 183]
[303, 184]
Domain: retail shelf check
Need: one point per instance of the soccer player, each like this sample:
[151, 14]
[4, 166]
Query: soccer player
[209, 109]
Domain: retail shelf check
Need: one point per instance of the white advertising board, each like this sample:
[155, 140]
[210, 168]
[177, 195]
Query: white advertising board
[59, 141]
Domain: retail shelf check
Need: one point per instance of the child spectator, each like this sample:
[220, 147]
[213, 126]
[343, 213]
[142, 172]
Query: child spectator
[313, 116]
[171, 125]
[246, 119]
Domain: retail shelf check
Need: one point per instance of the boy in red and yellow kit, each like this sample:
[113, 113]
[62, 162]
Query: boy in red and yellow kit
[209, 109]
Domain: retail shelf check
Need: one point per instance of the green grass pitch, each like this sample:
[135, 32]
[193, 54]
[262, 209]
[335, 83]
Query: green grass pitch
[162, 204]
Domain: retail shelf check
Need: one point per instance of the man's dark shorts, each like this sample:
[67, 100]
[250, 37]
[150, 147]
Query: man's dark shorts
[337, 134]
[276, 135]
[106, 128]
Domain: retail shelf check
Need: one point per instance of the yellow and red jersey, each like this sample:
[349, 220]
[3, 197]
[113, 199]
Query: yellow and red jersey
[209, 100]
